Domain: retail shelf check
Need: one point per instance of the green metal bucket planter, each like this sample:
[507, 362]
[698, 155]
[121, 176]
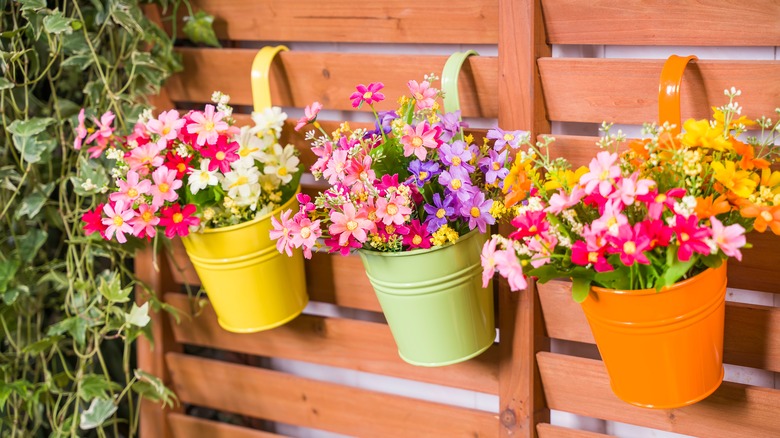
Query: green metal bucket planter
[434, 302]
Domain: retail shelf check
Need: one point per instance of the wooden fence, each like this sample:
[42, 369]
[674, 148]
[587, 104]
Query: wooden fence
[524, 87]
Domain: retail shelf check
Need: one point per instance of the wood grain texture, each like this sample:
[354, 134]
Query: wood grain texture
[626, 91]
[546, 430]
[581, 386]
[184, 426]
[391, 21]
[294, 400]
[751, 336]
[677, 23]
[336, 342]
[300, 78]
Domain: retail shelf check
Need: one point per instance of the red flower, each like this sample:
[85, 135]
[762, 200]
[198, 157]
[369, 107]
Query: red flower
[179, 164]
[417, 236]
[658, 232]
[529, 224]
[177, 221]
[583, 255]
[335, 246]
[94, 222]
[221, 154]
[690, 237]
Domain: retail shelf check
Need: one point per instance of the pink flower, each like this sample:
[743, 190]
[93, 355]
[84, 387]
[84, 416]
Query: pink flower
[117, 217]
[130, 189]
[423, 94]
[283, 232]
[207, 125]
[393, 210]
[369, 94]
[509, 266]
[529, 223]
[416, 139]
[603, 172]
[166, 125]
[729, 239]
[309, 115]
[350, 223]
[359, 170]
[611, 219]
[631, 188]
[334, 171]
[562, 201]
[488, 258]
[305, 234]
[690, 237]
[221, 154]
[583, 254]
[144, 224]
[81, 131]
[630, 243]
[165, 186]
[101, 135]
[177, 220]
[655, 205]
[543, 246]
[143, 157]
[323, 153]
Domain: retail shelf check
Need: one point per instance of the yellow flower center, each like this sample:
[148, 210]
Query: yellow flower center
[660, 198]
[475, 212]
[593, 257]
[240, 181]
[423, 175]
[440, 213]
[508, 137]
[204, 177]
[390, 229]
[456, 184]
[164, 187]
[533, 229]
[417, 239]
[181, 167]
[367, 95]
[372, 216]
[684, 237]
[767, 216]
[147, 216]
[352, 225]
[456, 161]
[177, 218]
[282, 171]
[629, 248]
[220, 156]
[118, 221]
[496, 166]
[305, 232]
[392, 209]
[417, 142]
[166, 130]
[246, 151]
[208, 126]
[611, 221]
[132, 193]
[604, 175]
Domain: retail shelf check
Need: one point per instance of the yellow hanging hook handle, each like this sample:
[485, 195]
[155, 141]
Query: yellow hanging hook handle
[261, 85]
[669, 91]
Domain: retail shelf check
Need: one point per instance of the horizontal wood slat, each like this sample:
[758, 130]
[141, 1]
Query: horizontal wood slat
[751, 333]
[626, 91]
[184, 426]
[294, 400]
[546, 430]
[581, 386]
[677, 23]
[390, 21]
[299, 78]
[343, 343]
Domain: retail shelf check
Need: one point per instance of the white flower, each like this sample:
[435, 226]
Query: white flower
[270, 119]
[201, 178]
[250, 145]
[181, 150]
[242, 185]
[685, 206]
[113, 153]
[283, 163]
[88, 185]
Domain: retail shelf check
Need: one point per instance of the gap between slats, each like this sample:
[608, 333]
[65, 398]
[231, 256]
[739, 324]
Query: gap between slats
[184, 426]
[546, 430]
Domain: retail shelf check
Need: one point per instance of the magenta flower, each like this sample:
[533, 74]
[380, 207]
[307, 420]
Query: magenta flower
[658, 232]
[177, 221]
[335, 245]
[207, 125]
[424, 95]
[416, 139]
[350, 223]
[117, 218]
[655, 205]
[282, 232]
[509, 266]
[630, 243]
[477, 210]
[309, 115]
[369, 94]
[166, 125]
[583, 254]
[417, 236]
[130, 189]
[529, 223]
[221, 154]
[729, 239]
[165, 186]
[603, 172]
[81, 131]
[690, 237]
[393, 210]
[144, 224]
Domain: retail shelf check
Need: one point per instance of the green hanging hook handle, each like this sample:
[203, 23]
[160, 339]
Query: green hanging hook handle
[669, 91]
[449, 79]
[261, 84]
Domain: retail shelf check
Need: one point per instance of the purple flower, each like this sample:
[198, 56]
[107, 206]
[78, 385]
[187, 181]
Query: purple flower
[502, 138]
[456, 184]
[423, 171]
[457, 154]
[369, 94]
[451, 125]
[493, 166]
[385, 119]
[440, 212]
[477, 210]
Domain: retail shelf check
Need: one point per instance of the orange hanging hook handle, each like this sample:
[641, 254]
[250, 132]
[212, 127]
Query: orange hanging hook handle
[669, 91]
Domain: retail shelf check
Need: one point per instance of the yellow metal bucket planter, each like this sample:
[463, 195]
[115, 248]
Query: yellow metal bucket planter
[251, 286]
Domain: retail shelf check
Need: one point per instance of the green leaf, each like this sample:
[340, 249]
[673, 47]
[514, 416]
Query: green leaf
[199, 29]
[57, 23]
[121, 16]
[8, 270]
[152, 388]
[5, 392]
[82, 62]
[28, 5]
[96, 386]
[5, 84]
[91, 175]
[580, 288]
[42, 345]
[138, 316]
[675, 270]
[10, 296]
[30, 127]
[30, 243]
[75, 326]
[32, 203]
[111, 288]
[98, 412]
[57, 279]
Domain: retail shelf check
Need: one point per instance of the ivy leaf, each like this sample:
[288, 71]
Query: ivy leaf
[8, 270]
[75, 326]
[91, 174]
[82, 62]
[96, 386]
[57, 279]
[152, 388]
[580, 288]
[42, 345]
[29, 127]
[138, 316]
[57, 23]
[121, 16]
[5, 84]
[112, 289]
[30, 243]
[10, 296]
[29, 5]
[199, 28]
[98, 412]
[32, 203]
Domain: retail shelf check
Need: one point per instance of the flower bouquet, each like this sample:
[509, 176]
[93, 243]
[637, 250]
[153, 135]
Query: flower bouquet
[201, 177]
[414, 197]
[644, 235]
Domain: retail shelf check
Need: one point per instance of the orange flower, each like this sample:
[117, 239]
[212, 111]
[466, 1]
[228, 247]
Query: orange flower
[699, 133]
[765, 215]
[521, 186]
[640, 154]
[706, 207]
[748, 154]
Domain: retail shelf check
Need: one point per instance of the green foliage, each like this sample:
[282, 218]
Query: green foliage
[199, 29]
[68, 318]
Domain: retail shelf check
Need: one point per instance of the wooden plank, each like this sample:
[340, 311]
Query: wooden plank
[581, 386]
[646, 22]
[546, 430]
[185, 426]
[343, 343]
[299, 78]
[390, 21]
[626, 91]
[748, 339]
[282, 397]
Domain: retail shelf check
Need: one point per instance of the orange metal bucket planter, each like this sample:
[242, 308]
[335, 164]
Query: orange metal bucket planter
[251, 286]
[662, 349]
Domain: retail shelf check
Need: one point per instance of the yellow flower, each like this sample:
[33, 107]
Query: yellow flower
[699, 133]
[737, 181]
[443, 235]
[718, 116]
[565, 178]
